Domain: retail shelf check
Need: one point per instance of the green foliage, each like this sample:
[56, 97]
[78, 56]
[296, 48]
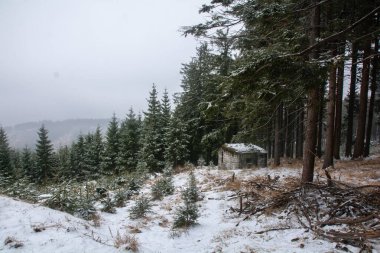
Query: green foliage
[120, 198]
[44, 157]
[188, 214]
[108, 206]
[5, 157]
[112, 147]
[130, 134]
[177, 149]
[152, 149]
[141, 208]
[191, 193]
[162, 187]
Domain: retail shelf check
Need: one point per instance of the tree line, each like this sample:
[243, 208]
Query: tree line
[275, 74]
[147, 144]
[268, 72]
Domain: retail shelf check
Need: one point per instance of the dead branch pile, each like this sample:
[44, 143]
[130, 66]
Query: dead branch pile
[338, 212]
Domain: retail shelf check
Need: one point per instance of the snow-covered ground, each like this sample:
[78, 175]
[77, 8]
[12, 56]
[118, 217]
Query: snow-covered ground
[216, 231]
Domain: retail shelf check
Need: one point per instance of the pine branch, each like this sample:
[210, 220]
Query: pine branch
[336, 35]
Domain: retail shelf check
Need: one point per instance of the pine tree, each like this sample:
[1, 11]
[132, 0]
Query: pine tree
[177, 152]
[165, 121]
[129, 142]
[152, 149]
[165, 110]
[5, 157]
[112, 146]
[94, 150]
[27, 161]
[188, 214]
[64, 165]
[44, 157]
[77, 159]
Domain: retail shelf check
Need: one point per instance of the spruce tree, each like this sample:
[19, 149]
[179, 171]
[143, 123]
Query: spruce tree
[27, 161]
[152, 149]
[129, 142]
[177, 139]
[112, 146]
[64, 163]
[165, 121]
[94, 150]
[44, 157]
[5, 157]
[77, 159]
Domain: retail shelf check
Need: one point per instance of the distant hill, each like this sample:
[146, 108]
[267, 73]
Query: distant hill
[60, 132]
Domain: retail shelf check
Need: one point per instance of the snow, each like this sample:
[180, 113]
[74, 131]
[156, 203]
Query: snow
[245, 148]
[216, 231]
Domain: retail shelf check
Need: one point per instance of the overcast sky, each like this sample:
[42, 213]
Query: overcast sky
[64, 59]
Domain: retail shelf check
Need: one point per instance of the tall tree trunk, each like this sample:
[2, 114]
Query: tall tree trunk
[360, 131]
[277, 136]
[372, 98]
[351, 100]
[289, 133]
[312, 103]
[269, 140]
[320, 119]
[299, 132]
[282, 132]
[338, 107]
[328, 156]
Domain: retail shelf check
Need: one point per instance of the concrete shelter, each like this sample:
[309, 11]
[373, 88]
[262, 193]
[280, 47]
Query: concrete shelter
[241, 155]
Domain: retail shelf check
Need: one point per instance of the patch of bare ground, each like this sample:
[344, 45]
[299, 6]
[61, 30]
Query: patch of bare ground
[366, 171]
[345, 210]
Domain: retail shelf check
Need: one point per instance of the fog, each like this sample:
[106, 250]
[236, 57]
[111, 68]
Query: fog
[65, 59]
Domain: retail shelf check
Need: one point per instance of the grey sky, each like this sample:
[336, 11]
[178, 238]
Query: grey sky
[63, 59]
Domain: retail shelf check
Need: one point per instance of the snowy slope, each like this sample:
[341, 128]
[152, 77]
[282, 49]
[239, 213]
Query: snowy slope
[216, 230]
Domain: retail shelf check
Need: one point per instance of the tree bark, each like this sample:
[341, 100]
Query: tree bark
[351, 100]
[328, 156]
[320, 119]
[372, 98]
[360, 131]
[277, 136]
[269, 141]
[289, 133]
[312, 103]
[338, 107]
[299, 132]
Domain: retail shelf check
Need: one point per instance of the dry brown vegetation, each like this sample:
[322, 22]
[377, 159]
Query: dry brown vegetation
[345, 210]
[126, 241]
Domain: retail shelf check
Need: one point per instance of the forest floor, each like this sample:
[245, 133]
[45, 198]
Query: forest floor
[224, 224]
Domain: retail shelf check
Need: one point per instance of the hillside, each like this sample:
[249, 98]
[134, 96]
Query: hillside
[60, 132]
[219, 228]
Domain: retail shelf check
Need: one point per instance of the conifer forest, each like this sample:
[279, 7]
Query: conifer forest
[298, 78]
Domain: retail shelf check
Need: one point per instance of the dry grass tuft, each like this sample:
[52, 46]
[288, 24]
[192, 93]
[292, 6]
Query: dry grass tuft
[164, 222]
[95, 218]
[13, 242]
[127, 242]
[233, 185]
[134, 230]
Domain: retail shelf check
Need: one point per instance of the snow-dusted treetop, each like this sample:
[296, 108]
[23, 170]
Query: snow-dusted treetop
[244, 148]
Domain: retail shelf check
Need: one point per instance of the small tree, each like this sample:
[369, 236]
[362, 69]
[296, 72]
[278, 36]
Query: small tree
[141, 208]
[188, 214]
